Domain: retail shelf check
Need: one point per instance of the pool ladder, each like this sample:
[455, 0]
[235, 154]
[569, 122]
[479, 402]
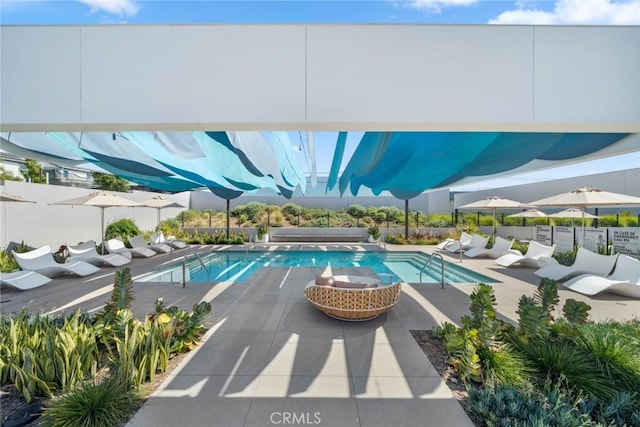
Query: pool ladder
[184, 266]
[428, 264]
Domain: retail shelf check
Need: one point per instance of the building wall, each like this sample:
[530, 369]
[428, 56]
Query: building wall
[320, 77]
[42, 223]
[623, 182]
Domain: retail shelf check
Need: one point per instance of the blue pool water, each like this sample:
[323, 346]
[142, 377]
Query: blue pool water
[239, 266]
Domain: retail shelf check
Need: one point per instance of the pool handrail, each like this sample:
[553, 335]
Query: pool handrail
[428, 264]
[184, 266]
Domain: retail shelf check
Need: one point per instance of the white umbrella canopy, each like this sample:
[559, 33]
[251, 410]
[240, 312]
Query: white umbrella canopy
[493, 203]
[529, 213]
[160, 202]
[572, 213]
[100, 200]
[6, 197]
[584, 197]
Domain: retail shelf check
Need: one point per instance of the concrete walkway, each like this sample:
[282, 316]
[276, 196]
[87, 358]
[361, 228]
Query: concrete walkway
[273, 359]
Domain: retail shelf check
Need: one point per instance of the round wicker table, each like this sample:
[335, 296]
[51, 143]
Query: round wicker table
[353, 304]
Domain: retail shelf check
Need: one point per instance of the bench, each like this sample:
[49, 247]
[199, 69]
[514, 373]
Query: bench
[295, 237]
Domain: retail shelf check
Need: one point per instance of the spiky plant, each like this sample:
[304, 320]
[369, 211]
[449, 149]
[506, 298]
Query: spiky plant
[121, 297]
[106, 404]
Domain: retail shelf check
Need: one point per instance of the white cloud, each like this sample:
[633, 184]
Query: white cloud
[115, 7]
[437, 5]
[576, 12]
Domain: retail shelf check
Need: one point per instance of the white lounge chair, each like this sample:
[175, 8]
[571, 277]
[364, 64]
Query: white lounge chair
[500, 247]
[23, 280]
[477, 241]
[586, 262]
[538, 255]
[625, 280]
[116, 246]
[41, 261]
[158, 238]
[139, 242]
[87, 252]
[465, 239]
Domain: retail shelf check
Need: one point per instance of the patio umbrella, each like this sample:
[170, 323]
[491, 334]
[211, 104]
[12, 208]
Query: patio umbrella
[100, 200]
[572, 213]
[530, 213]
[584, 197]
[493, 203]
[6, 197]
[160, 202]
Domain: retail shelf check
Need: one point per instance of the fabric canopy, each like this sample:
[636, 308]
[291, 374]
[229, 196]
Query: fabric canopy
[235, 162]
[228, 163]
[408, 163]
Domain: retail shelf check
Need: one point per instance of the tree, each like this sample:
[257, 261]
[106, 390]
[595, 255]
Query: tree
[7, 175]
[32, 171]
[107, 181]
[357, 211]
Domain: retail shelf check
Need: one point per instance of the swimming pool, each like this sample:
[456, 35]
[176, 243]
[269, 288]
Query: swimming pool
[239, 266]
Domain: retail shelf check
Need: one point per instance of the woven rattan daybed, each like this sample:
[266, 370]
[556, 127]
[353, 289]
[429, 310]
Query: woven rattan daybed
[350, 303]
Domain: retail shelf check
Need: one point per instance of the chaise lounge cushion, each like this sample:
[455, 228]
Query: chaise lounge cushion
[353, 285]
[324, 281]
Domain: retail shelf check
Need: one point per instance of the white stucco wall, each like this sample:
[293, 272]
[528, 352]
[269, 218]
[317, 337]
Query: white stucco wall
[320, 77]
[41, 223]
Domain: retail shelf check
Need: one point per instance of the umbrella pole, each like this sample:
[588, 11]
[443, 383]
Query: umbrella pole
[158, 226]
[583, 233]
[102, 225]
[494, 223]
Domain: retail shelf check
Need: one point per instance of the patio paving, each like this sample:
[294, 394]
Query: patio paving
[270, 358]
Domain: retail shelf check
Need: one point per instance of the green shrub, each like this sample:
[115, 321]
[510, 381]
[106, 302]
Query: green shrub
[395, 239]
[123, 228]
[40, 354]
[185, 328]
[374, 231]
[566, 258]
[509, 406]
[478, 349]
[106, 404]
[7, 262]
[565, 362]
[615, 353]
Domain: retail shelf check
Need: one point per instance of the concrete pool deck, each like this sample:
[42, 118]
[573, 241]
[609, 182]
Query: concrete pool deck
[270, 358]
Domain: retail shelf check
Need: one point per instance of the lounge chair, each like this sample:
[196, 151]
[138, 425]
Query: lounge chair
[352, 298]
[158, 237]
[500, 247]
[87, 252]
[477, 241]
[538, 255]
[465, 239]
[24, 280]
[625, 280]
[139, 242]
[115, 246]
[41, 261]
[586, 262]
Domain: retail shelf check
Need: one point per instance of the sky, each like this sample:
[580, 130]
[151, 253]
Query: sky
[541, 12]
[478, 12]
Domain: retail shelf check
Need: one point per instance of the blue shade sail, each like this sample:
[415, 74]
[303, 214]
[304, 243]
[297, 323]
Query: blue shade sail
[408, 163]
[338, 154]
[38, 146]
[290, 168]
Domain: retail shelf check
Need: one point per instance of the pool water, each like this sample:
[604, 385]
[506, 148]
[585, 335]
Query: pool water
[239, 266]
